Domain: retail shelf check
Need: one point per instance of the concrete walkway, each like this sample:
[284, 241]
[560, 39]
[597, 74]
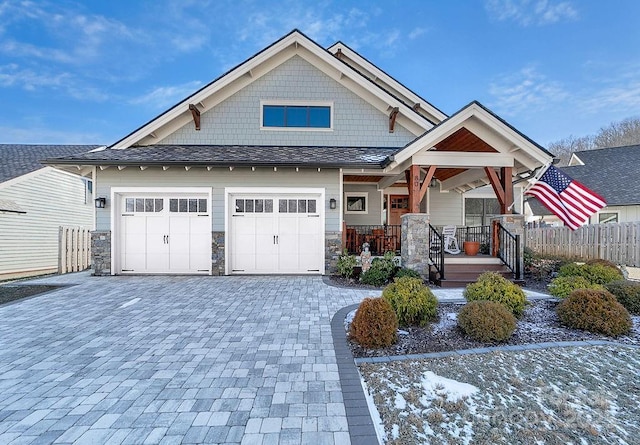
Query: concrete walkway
[133, 360]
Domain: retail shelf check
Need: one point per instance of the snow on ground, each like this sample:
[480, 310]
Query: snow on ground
[559, 395]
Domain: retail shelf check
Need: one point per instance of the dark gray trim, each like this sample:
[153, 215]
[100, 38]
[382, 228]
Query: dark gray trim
[361, 429]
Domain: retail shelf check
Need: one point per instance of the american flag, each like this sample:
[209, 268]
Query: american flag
[571, 201]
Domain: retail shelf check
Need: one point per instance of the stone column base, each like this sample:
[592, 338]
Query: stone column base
[101, 252]
[415, 242]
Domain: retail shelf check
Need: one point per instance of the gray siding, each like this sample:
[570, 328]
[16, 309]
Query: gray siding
[51, 199]
[237, 119]
[374, 206]
[445, 208]
[625, 213]
[218, 179]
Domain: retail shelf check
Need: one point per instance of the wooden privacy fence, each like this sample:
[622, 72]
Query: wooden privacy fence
[74, 249]
[619, 243]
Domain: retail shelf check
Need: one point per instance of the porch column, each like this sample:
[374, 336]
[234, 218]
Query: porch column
[414, 247]
[413, 183]
[507, 185]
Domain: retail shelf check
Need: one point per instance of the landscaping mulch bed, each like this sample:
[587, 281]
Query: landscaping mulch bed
[9, 293]
[539, 324]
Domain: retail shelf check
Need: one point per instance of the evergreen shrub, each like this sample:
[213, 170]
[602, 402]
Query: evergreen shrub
[627, 293]
[487, 321]
[413, 303]
[561, 287]
[492, 286]
[375, 324]
[595, 273]
[594, 311]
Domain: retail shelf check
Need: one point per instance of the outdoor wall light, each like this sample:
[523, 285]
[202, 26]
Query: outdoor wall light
[433, 183]
[101, 203]
[332, 203]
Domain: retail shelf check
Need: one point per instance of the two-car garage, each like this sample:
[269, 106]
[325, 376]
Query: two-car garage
[169, 231]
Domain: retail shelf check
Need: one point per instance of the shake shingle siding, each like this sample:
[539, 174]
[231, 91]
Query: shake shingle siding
[236, 121]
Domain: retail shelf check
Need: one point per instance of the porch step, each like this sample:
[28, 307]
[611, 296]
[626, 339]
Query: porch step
[459, 275]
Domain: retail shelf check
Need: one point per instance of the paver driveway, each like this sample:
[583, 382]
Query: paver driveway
[173, 360]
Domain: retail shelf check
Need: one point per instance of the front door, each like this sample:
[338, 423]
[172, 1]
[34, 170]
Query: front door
[398, 205]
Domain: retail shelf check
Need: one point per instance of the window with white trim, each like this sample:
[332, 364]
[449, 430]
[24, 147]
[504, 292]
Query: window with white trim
[356, 202]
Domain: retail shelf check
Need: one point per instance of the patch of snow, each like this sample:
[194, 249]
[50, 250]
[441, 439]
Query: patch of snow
[401, 403]
[130, 302]
[401, 332]
[348, 319]
[435, 385]
[395, 431]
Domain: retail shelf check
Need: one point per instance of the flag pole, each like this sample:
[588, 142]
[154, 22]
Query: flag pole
[535, 178]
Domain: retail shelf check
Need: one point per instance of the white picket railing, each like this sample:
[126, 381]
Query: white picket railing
[74, 249]
[619, 243]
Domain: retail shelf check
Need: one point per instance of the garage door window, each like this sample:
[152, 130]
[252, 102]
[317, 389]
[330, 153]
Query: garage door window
[143, 205]
[187, 205]
[297, 206]
[254, 205]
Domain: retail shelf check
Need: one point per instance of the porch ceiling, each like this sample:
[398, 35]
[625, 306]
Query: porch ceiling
[464, 140]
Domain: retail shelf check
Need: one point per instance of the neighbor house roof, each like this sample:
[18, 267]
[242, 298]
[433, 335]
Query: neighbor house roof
[18, 159]
[610, 172]
[233, 155]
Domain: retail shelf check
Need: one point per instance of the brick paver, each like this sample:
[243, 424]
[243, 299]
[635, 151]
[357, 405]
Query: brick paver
[136, 360]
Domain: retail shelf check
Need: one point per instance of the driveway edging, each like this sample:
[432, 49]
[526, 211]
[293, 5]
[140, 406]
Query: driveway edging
[361, 429]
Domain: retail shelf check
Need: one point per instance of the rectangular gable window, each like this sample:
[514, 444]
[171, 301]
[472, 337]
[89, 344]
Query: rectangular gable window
[296, 116]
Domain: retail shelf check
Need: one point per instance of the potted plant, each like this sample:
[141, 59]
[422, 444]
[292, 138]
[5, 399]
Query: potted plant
[471, 248]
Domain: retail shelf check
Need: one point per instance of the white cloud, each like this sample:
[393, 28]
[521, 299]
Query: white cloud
[12, 75]
[531, 12]
[417, 32]
[525, 90]
[162, 97]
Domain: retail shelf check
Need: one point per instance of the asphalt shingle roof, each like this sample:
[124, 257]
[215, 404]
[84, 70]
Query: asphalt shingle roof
[612, 172]
[19, 159]
[230, 155]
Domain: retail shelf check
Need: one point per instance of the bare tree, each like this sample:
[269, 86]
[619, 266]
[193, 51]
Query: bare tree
[616, 134]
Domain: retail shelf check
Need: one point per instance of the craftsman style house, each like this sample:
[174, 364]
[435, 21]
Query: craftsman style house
[288, 158]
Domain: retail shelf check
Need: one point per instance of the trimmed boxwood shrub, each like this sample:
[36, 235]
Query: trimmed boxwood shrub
[494, 287]
[487, 321]
[594, 311]
[561, 287]
[595, 273]
[413, 303]
[627, 293]
[375, 325]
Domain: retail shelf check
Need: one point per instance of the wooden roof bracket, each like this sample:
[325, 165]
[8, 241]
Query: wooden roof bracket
[392, 118]
[416, 107]
[339, 54]
[196, 115]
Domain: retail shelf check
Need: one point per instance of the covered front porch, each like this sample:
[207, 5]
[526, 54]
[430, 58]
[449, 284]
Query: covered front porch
[427, 185]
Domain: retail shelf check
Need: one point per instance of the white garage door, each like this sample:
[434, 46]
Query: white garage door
[281, 233]
[165, 234]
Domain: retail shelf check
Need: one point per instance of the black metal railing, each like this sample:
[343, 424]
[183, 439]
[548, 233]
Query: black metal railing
[481, 234]
[436, 253]
[508, 250]
[381, 238]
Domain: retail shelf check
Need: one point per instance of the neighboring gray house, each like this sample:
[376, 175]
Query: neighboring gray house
[265, 169]
[34, 201]
[610, 172]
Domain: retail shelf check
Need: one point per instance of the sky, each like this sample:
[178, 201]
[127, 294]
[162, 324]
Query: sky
[91, 72]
